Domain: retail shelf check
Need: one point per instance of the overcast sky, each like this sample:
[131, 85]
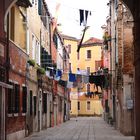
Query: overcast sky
[68, 15]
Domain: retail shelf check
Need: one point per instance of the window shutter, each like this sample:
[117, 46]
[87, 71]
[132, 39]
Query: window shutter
[44, 103]
[17, 93]
[34, 105]
[78, 105]
[24, 99]
[31, 94]
[10, 99]
[88, 53]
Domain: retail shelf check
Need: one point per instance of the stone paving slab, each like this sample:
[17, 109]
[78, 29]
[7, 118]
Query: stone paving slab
[81, 128]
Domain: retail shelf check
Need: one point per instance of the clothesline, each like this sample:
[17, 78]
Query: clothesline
[76, 80]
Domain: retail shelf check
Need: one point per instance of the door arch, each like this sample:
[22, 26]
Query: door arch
[134, 7]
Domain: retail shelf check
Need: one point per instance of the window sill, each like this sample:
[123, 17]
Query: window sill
[10, 115]
[16, 114]
[87, 59]
[23, 114]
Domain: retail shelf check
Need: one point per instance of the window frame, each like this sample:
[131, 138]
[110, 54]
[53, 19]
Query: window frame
[78, 105]
[88, 54]
[88, 108]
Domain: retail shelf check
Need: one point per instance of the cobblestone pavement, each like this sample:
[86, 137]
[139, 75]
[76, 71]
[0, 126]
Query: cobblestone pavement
[81, 128]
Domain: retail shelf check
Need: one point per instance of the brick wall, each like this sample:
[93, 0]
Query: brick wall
[18, 59]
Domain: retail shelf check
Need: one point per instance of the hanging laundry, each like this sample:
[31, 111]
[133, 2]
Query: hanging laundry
[97, 80]
[90, 13]
[79, 78]
[47, 73]
[91, 79]
[64, 77]
[69, 84]
[62, 83]
[80, 85]
[85, 79]
[56, 78]
[75, 84]
[86, 16]
[51, 72]
[58, 73]
[81, 12]
[88, 87]
[72, 77]
[78, 71]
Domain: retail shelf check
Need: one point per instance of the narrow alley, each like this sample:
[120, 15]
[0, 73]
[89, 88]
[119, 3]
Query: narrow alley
[70, 70]
[81, 128]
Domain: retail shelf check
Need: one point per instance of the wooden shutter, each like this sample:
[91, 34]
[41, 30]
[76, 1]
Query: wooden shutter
[78, 105]
[24, 99]
[34, 105]
[44, 103]
[10, 99]
[31, 94]
[17, 98]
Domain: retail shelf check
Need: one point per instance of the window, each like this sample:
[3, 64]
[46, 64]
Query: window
[14, 98]
[78, 55]
[88, 54]
[31, 94]
[37, 52]
[88, 105]
[34, 105]
[10, 99]
[44, 103]
[24, 99]
[97, 64]
[88, 70]
[69, 47]
[17, 93]
[78, 105]
[33, 46]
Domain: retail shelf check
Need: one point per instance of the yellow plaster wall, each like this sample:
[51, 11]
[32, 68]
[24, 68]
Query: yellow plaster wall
[73, 54]
[83, 62]
[19, 33]
[34, 25]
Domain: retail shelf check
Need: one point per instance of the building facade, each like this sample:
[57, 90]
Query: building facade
[118, 39]
[87, 61]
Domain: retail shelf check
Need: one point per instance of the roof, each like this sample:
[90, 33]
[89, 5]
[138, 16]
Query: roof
[69, 37]
[92, 42]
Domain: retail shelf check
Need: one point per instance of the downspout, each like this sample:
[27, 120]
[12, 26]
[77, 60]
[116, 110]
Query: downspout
[7, 69]
[50, 35]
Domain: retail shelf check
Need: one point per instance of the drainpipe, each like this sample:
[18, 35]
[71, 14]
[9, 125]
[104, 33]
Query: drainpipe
[7, 70]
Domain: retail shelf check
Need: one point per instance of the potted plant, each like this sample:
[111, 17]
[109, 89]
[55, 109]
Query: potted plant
[40, 70]
[31, 62]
